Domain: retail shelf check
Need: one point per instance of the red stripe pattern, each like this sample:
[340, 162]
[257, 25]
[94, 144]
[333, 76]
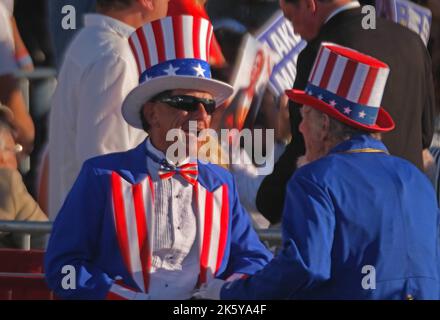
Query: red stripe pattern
[178, 37]
[349, 74]
[347, 78]
[215, 225]
[206, 244]
[153, 43]
[142, 40]
[328, 70]
[224, 222]
[196, 38]
[132, 208]
[138, 253]
[368, 86]
[121, 224]
[160, 45]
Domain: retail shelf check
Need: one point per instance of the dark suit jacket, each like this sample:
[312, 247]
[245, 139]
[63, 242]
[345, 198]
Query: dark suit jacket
[408, 97]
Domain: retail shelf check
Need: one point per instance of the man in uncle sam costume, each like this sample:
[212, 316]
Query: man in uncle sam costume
[137, 226]
[358, 223]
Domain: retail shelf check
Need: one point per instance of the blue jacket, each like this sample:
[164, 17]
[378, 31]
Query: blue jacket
[357, 224]
[84, 234]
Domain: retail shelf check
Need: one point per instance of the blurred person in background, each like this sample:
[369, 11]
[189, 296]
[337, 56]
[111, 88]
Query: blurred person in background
[61, 37]
[98, 71]
[15, 202]
[409, 94]
[10, 93]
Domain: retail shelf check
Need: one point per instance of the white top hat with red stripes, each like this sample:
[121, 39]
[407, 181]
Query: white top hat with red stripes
[348, 86]
[172, 53]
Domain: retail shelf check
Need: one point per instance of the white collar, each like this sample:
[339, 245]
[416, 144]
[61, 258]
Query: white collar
[351, 5]
[96, 19]
[161, 156]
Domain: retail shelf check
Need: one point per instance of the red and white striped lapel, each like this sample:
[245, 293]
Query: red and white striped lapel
[132, 209]
[213, 224]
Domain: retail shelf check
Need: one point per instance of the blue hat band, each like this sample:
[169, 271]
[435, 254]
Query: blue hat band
[360, 113]
[178, 67]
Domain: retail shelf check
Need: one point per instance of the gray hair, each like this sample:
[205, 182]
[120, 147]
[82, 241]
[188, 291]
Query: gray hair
[341, 131]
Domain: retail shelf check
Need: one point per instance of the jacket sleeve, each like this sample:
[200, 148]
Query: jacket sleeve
[247, 253]
[305, 259]
[70, 270]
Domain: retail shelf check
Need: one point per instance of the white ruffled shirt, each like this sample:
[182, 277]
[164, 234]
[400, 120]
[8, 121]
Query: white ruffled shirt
[175, 260]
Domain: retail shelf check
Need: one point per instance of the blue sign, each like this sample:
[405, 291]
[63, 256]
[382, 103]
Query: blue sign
[279, 36]
[409, 14]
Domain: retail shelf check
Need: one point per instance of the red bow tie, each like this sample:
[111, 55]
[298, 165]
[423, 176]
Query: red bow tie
[187, 171]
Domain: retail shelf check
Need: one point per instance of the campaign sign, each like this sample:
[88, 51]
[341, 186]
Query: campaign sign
[278, 34]
[250, 79]
[409, 14]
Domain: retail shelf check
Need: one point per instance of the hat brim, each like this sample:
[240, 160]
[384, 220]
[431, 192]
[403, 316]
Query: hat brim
[383, 123]
[138, 96]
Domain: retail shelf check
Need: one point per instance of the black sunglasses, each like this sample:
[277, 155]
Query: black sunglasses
[188, 103]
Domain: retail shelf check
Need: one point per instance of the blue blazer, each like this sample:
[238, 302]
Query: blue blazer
[84, 234]
[357, 224]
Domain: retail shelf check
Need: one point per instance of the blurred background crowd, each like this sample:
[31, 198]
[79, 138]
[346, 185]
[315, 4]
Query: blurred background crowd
[40, 44]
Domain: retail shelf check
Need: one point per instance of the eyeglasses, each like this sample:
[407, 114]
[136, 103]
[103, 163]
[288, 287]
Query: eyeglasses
[189, 103]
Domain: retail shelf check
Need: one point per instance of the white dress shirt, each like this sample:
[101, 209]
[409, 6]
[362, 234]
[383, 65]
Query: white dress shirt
[175, 257]
[7, 47]
[98, 72]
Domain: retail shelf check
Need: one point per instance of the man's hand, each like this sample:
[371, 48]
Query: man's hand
[210, 290]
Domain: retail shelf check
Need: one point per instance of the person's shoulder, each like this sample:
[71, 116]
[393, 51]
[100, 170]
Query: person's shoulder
[213, 171]
[319, 171]
[318, 167]
[108, 162]
[405, 167]
[402, 33]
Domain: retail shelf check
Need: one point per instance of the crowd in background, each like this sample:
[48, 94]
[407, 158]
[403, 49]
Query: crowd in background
[44, 44]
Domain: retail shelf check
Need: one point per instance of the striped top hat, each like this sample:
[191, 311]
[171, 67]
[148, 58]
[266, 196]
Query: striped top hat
[171, 53]
[348, 86]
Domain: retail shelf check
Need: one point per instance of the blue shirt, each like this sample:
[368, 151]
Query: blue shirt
[357, 224]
